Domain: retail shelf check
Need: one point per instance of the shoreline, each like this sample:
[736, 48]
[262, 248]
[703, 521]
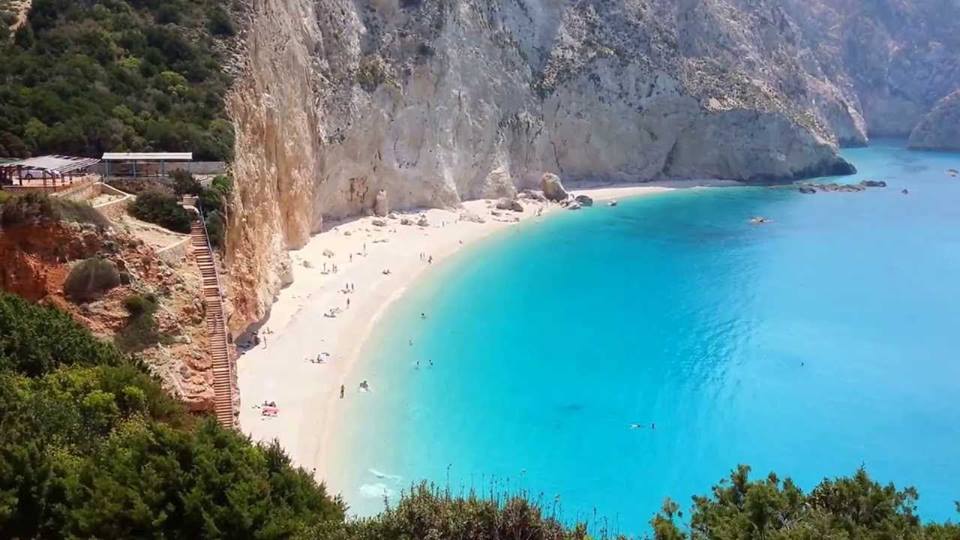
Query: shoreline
[298, 326]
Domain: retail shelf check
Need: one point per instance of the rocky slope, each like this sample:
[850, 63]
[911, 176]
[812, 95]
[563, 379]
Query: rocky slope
[38, 256]
[437, 101]
[940, 128]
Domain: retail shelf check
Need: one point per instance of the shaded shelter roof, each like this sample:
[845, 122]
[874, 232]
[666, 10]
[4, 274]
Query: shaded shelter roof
[148, 156]
[53, 164]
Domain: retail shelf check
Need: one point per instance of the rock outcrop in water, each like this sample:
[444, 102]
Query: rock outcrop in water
[437, 102]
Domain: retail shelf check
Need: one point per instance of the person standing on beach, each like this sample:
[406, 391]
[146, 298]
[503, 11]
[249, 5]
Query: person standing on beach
[341, 391]
[348, 303]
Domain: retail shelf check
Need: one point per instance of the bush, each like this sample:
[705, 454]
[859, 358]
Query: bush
[220, 23]
[184, 183]
[137, 305]
[27, 209]
[35, 340]
[34, 208]
[222, 184]
[216, 229]
[141, 331]
[161, 209]
[91, 278]
[79, 212]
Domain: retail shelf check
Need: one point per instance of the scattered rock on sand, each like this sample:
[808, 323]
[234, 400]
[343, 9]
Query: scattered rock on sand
[422, 222]
[379, 223]
[471, 217]
[509, 204]
[873, 183]
[584, 200]
[328, 253]
[406, 221]
[393, 215]
[532, 195]
[381, 205]
[553, 188]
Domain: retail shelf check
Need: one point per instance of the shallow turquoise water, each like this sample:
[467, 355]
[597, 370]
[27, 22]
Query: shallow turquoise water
[809, 346]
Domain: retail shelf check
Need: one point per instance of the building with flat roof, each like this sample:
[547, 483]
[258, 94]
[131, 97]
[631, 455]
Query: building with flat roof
[143, 164]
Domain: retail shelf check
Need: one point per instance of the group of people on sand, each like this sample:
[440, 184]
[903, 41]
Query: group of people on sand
[333, 269]
[426, 258]
[269, 409]
[321, 358]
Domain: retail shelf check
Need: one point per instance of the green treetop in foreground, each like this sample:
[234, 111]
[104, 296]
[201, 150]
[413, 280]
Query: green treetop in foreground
[84, 77]
[91, 446]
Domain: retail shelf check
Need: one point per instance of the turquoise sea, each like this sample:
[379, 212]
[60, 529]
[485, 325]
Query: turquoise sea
[823, 341]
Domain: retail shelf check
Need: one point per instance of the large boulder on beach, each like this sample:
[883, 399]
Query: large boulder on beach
[552, 188]
[574, 205]
[509, 204]
[584, 200]
[381, 204]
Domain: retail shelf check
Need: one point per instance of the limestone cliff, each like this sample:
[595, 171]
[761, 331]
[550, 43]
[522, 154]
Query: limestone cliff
[437, 101]
[940, 128]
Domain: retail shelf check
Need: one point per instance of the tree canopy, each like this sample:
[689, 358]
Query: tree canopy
[92, 446]
[87, 76]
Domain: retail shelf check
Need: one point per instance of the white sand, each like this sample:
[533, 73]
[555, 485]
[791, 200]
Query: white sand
[306, 393]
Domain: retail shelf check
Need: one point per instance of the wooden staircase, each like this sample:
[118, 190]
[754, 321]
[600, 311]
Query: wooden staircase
[220, 348]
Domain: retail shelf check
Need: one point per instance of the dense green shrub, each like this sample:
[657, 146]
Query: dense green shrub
[219, 22]
[216, 229]
[427, 512]
[35, 340]
[120, 75]
[91, 278]
[91, 446]
[137, 304]
[184, 183]
[141, 331]
[27, 209]
[223, 185]
[34, 208]
[854, 507]
[161, 209]
[79, 212]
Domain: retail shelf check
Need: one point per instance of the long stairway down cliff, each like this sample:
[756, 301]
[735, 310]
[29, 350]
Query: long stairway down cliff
[220, 349]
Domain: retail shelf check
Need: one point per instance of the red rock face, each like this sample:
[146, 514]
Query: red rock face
[33, 254]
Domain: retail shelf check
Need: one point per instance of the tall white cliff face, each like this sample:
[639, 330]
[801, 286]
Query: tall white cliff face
[438, 101]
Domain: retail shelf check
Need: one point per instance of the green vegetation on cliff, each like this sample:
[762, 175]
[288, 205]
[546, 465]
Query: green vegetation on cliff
[91, 446]
[83, 77]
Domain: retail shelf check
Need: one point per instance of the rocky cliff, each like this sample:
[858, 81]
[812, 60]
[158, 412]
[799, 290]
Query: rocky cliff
[437, 101]
[940, 128]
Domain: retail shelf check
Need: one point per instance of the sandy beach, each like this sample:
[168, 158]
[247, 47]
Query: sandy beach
[312, 316]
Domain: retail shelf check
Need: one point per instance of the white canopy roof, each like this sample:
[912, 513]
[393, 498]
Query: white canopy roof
[148, 156]
[55, 164]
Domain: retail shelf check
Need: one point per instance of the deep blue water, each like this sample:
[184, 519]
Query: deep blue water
[813, 345]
